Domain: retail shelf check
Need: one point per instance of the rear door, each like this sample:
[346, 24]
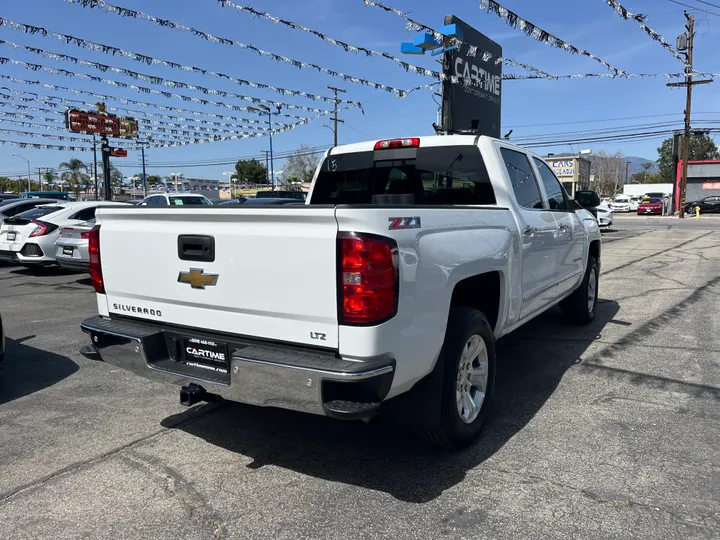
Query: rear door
[571, 233]
[538, 231]
[268, 272]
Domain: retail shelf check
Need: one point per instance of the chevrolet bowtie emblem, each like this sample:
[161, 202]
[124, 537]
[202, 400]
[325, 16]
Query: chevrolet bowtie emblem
[197, 278]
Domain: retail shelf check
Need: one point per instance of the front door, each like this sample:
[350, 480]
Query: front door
[571, 233]
[538, 234]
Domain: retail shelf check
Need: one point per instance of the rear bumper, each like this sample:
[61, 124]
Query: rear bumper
[77, 265]
[264, 374]
[8, 256]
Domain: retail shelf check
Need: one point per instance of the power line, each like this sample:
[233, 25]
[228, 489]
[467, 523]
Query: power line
[696, 8]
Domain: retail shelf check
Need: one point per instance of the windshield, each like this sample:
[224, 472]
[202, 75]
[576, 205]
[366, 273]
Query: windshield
[655, 200]
[188, 201]
[446, 175]
[38, 212]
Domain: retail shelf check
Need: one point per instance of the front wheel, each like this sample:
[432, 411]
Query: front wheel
[579, 307]
[468, 380]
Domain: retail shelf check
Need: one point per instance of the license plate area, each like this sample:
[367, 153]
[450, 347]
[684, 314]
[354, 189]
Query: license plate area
[206, 354]
[68, 251]
[11, 236]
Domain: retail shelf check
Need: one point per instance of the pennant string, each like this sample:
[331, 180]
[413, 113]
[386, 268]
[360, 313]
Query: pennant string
[152, 79]
[124, 12]
[515, 21]
[640, 20]
[144, 90]
[125, 101]
[108, 49]
[473, 50]
[145, 124]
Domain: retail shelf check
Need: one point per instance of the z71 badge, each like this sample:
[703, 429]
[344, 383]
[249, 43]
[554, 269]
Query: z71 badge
[398, 223]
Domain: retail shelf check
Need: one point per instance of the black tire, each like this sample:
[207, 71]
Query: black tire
[452, 432]
[576, 307]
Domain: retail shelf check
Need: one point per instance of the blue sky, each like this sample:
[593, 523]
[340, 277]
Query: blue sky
[530, 108]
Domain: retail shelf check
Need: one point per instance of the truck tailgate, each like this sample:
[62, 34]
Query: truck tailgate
[273, 275]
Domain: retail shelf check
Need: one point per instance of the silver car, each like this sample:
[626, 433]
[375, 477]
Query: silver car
[71, 247]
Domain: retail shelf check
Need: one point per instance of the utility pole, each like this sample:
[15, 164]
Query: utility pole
[688, 84]
[335, 118]
[267, 166]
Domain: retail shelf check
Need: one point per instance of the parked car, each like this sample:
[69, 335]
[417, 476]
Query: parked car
[13, 207]
[655, 195]
[55, 195]
[653, 205]
[281, 194]
[71, 247]
[29, 238]
[707, 205]
[176, 199]
[2, 340]
[6, 196]
[400, 305]
[623, 203]
[604, 217]
[231, 202]
[253, 202]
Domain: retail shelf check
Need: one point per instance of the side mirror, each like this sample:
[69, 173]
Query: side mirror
[587, 199]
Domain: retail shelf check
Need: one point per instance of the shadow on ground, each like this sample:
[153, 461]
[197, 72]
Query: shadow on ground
[388, 458]
[27, 369]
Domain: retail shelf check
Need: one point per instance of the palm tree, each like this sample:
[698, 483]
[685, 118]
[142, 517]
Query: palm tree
[49, 177]
[74, 173]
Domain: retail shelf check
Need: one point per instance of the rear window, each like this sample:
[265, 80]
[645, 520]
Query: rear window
[188, 201]
[39, 212]
[447, 175]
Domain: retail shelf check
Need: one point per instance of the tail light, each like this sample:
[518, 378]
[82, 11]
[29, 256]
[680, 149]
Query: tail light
[412, 142]
[95, 268]
[42, 228]
[368, 279]
[85, 235]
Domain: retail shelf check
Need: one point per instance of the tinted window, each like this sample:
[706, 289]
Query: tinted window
[449, 175]
[157, 200]
[553, 189]
[39, 212]
[15, 210]
[522, 178]
[84, 214]
[188, 201]
[655, 200]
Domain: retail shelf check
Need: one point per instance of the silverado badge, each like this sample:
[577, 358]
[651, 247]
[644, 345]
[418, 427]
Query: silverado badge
[197, 278]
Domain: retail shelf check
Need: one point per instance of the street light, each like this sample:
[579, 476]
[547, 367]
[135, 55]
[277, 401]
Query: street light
[230, 175]
[269, 113]
[28, 164]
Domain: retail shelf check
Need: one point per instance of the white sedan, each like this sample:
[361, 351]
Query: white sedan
[175, 199]
[623, 204]
[29, 238]
[604, 216]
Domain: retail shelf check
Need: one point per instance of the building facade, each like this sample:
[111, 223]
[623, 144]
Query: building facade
[703, 180]
[572, 170]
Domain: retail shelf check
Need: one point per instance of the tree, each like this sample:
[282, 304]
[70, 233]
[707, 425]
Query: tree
[49, 177]
[75, 173]
[301, 164]
[702, 148]
[251, 170]
[608, 172]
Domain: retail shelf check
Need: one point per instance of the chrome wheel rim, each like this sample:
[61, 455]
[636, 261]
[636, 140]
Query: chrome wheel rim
[592, 290]
[472, 379]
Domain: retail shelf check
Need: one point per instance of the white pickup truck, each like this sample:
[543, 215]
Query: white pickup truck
[384, 293]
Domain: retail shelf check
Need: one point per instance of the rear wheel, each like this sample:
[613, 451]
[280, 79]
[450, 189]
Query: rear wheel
[579, 307]
[468, 354]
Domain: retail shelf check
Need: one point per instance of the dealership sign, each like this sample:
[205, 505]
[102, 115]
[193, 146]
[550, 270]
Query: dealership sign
[563, 167]
[472, 89]
[98, 123]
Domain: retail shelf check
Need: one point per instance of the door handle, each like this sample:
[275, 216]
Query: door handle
[529, 231]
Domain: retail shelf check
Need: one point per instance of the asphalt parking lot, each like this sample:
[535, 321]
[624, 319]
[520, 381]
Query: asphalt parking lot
[607, 431]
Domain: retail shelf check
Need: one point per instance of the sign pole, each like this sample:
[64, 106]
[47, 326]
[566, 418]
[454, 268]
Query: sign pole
[97, 195]
[105, 150]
